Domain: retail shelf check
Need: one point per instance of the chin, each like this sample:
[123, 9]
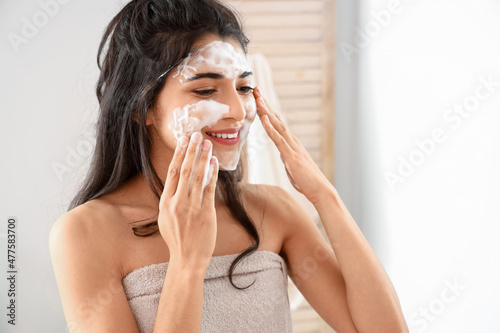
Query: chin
[227, 168]
[228, 160]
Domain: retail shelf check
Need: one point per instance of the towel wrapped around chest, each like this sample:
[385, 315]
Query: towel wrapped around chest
[263, 307]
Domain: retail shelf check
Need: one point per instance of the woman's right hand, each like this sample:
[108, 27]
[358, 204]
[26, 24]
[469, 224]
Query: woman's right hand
[187, 219]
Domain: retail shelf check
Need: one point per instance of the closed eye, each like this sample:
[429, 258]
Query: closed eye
[245, 89]
[206, 92]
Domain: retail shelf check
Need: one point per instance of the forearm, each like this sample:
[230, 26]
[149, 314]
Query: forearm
[371, 298]
[181, 301]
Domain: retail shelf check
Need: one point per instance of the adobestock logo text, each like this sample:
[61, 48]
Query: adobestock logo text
[420, 320]
[32, 25]
[454, 117]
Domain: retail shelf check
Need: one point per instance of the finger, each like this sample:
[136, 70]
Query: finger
[201, 173]
[188, 165]
[267, 110]
[174, 168]
[259, 113]
[277, 123]
[209, 191]
[278, 139]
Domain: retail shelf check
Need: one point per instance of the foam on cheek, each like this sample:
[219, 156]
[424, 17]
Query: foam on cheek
[193, 117]
[220, 57]
[228, 160]
[250, 107]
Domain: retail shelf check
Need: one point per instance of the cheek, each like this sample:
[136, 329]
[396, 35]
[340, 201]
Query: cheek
[251, 108]
[192, 118]
[181, 123]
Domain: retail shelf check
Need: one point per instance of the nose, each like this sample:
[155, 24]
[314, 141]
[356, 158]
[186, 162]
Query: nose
[236, 104]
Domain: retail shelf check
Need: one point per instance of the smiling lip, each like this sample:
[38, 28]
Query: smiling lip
[224, 132]
[227, 130]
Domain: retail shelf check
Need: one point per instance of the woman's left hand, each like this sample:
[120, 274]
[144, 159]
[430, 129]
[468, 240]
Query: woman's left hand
[302, 171]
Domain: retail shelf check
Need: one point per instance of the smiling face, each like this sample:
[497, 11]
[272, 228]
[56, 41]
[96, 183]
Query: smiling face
[209, 92]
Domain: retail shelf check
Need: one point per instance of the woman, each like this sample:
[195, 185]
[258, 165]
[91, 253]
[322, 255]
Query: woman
[176, 99]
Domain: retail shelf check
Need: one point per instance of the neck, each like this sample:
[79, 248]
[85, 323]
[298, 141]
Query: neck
[141, 186]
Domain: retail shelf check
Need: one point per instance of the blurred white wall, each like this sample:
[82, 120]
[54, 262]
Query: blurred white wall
[47, 50]
[417, 118]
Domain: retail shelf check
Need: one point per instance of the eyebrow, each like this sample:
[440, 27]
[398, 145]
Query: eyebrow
[216, 76]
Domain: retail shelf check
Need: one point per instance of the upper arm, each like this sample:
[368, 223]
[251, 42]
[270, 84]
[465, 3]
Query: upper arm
[89, 282]
[313, 266]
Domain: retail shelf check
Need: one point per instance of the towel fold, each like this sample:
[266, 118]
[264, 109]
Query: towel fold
[263, 307]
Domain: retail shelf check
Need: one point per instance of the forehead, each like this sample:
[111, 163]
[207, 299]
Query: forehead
[214, 55]
[218, 53]
[208, 40]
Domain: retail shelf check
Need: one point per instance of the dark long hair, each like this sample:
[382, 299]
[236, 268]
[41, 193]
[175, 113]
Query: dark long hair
[143, 41]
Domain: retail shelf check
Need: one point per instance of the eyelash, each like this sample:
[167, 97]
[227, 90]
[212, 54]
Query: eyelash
[208, 92]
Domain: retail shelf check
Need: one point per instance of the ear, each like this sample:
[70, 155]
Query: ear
[149, 117]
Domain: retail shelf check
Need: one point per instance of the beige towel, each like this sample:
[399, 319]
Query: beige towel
[263, 307]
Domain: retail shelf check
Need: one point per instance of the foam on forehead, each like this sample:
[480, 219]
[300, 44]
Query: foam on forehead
[217, 56]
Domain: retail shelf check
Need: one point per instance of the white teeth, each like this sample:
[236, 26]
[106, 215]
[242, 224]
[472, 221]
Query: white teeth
[223, 135]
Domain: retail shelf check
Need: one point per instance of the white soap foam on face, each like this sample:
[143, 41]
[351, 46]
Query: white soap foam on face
[228, 160]
[250, 107]
[218, 56]
[222, 58]
[193, 117]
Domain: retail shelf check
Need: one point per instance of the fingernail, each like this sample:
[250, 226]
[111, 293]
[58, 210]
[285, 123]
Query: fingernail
[206, 145]
[196, 138]
[183, 141]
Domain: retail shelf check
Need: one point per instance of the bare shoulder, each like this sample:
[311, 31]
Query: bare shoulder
[279, 211]
[277, 203]
[87, 266]
[264, 191]
[90, 226]
[83, 220]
